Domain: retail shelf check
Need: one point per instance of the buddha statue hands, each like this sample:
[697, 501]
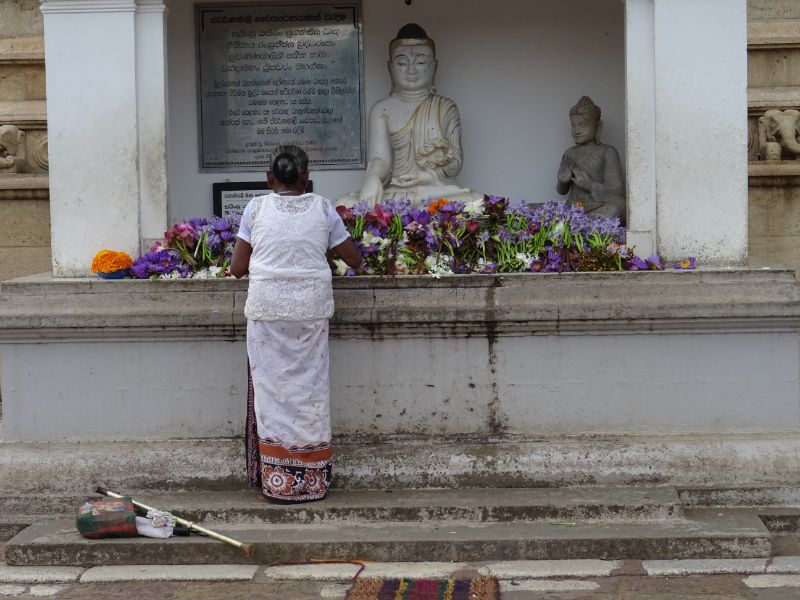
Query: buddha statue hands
[591, 172]
[570, 174]
[414, 133]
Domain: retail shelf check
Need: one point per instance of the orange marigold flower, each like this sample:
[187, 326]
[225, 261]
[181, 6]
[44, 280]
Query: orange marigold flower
[436, 205]
[108, 261]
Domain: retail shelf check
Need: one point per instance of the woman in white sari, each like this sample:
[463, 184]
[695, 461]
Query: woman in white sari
[283, 240]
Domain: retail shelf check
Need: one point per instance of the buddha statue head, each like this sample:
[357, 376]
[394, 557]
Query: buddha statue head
[585, 121]
[412, 60]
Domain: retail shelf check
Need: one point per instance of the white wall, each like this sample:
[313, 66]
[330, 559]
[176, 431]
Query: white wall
[514, 68]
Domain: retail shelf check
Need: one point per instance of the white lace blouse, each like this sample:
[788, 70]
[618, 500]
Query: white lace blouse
[290, 279]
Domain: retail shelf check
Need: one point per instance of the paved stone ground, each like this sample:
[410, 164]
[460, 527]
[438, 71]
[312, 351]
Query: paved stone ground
[716, 587]
[756, 579]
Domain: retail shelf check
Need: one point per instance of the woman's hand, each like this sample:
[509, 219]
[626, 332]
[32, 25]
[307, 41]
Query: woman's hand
[348, 252]
[240, 262]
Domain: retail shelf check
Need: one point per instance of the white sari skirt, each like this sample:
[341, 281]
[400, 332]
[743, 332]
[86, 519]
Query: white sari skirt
[289, 368]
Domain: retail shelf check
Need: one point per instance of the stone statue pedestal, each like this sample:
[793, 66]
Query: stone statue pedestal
[419, 196]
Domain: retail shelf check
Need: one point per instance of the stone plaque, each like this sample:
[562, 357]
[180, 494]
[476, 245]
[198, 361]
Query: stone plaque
[275, 73]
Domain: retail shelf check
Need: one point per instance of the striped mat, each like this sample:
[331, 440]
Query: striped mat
[478, 588]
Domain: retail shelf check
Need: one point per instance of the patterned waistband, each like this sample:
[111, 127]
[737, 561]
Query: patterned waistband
[314, 453]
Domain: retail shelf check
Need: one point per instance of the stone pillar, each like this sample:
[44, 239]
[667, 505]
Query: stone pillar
[151, 77]
[687, 135]
[102, 186]
[640, 126]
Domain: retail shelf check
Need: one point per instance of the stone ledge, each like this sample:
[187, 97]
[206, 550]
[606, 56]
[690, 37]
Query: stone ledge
[24, 186]
[25, 49]
[774, 173]
[40, 307]
[772, 34]
[25, 114]
[760, 99]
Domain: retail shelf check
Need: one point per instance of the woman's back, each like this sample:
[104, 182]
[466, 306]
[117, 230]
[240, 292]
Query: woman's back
[290, 278]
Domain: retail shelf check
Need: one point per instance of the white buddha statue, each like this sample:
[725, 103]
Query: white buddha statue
[414, 134]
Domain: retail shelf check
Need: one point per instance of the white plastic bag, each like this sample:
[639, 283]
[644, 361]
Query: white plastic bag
[145, 527]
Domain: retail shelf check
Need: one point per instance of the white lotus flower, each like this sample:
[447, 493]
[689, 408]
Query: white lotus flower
[474, 208]
[341, 266]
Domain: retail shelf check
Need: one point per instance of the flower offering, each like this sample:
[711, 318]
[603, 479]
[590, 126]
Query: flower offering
[110, 261]
[197, 248]
[493, 236]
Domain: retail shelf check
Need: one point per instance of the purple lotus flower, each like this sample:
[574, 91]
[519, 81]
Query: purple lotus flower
[420, 216]
[197, 222]
[162, 262]
[219, 225]
[214, 242]
[637, 264]
[654, 263]
[431, 239]
[459, 268]
[686, 264]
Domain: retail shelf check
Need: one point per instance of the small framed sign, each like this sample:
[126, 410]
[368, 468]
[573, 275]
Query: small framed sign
[231, 197]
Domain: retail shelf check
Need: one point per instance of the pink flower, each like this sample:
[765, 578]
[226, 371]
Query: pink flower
[344, 212]
[379, 216]
[183, 232]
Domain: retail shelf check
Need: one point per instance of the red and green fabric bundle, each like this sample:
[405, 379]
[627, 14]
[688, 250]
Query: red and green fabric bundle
[106, 518]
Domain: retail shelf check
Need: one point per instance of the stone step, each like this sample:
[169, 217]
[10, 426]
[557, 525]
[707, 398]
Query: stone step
[441, 505]
[479, 505]
[703, 534]
[745, 495]
[11, 526]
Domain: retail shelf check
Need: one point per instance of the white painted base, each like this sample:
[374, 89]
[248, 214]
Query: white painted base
[525, 385]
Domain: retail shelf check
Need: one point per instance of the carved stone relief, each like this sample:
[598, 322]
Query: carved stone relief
[39, 154]
[23, 150]
[779, 135]
[12, 149]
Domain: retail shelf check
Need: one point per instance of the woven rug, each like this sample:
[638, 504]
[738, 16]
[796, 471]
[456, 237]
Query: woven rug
[479, 588]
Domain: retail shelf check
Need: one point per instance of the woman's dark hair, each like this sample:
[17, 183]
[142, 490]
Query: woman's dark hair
[289, 164]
